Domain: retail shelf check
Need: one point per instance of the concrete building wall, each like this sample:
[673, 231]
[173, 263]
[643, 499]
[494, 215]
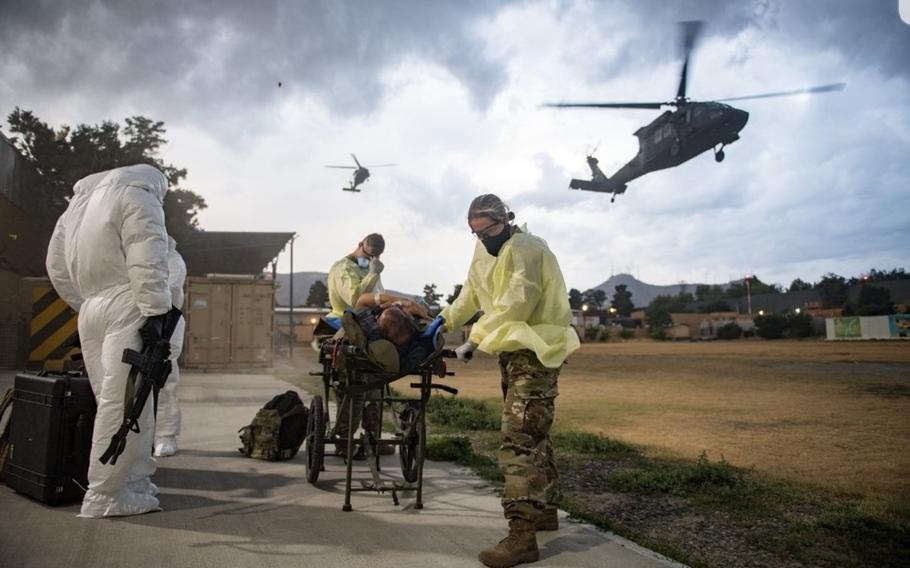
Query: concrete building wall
[857, 328]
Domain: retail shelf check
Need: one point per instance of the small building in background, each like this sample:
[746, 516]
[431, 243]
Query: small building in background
[305, 320]
[230, 298]
[705, 326]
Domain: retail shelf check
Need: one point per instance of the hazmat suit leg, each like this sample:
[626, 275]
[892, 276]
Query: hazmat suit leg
[167, 425]
[108, 324]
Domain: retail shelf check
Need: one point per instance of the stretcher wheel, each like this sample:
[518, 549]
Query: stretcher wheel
[315, 439]
[407, 452]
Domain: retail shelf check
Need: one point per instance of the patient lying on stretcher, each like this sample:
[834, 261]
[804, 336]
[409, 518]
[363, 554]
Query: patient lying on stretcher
[384, 316]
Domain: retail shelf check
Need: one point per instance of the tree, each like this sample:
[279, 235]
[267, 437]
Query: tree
[594, 299]
[874, 301]
[708, 292]
[450, 299]
[671, 304]
[799, 285]
[658, 312]
[875, 275]
[622, 301]
[65, 156]
[715, 306]
[833, 290]
[319, 295]
[756, 286]
[430, 296]
[575, 299]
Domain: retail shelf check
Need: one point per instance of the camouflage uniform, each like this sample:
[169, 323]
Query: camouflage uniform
[526, 456]
[366, 406]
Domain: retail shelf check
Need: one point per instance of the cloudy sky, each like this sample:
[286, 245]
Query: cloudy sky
[451, 93]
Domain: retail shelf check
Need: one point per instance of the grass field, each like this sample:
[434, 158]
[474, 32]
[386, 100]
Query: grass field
[832, 414]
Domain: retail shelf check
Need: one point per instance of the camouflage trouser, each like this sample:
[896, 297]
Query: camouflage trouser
[526, 457]
[365, 406]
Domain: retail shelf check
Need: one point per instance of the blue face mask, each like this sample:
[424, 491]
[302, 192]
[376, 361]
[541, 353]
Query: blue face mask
[363, 262]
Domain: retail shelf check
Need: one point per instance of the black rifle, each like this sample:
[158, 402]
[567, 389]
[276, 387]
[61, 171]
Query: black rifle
[153, 365]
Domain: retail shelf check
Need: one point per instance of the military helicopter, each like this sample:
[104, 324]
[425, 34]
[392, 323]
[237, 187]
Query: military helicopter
[677, 135]
[361, 173]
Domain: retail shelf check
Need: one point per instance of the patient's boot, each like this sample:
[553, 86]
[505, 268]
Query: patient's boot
[517, 548]
[547, 520]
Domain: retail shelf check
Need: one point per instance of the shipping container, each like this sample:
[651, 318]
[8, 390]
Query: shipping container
[230, 322]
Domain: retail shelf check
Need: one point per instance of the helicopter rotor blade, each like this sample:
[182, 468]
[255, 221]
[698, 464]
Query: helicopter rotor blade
[355, 161]
[689, 36]
[609, 105]
[810, 90]
[342, 167]
[382, 165]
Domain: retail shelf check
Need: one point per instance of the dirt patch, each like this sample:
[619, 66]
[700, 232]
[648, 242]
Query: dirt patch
[889, 390]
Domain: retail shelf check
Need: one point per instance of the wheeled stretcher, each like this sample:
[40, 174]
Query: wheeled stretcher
[348, 369]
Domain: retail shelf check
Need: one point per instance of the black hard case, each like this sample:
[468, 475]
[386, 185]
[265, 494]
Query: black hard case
[51, 437]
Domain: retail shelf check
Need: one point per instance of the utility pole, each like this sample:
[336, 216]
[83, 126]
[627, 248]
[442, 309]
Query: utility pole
[748, 293]
[291, 305]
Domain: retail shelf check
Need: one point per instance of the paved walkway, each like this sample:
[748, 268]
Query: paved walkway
[225, 511]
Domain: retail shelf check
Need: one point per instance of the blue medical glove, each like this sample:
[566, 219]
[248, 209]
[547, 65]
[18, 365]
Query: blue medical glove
[433, 327]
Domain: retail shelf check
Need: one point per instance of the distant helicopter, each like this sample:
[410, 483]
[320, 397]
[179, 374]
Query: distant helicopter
[679, 135]
[361, 174]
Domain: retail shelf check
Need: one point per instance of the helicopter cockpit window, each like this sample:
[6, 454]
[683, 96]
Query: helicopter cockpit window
[658, 135]
[667, 130]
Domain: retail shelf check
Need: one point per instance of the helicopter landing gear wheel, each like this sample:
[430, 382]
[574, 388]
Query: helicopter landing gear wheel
[719, 155]
[314, 448]
[612, 199]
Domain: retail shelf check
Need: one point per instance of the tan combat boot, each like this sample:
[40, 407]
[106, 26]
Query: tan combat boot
[547, 520]
[517, 548]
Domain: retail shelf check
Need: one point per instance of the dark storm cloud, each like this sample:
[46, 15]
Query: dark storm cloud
[194, 57]
[866, 34]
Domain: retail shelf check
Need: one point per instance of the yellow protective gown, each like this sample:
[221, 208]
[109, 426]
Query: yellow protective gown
[523, 297]
[347, 282]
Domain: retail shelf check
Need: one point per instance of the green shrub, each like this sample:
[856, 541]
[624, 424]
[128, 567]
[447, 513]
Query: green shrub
[449, 448]
[458, 449]
[626, 333]
[658, 333]
[591, 444]
[800, 325]
[729, 331]
[463, 413]
[770, 326]
[679, 479]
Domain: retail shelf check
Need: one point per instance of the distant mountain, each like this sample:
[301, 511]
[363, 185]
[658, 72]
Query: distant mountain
[302, 283]
[642, 293]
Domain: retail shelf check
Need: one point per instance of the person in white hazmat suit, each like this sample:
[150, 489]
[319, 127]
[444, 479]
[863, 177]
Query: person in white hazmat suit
[167, 423]
[107, 259]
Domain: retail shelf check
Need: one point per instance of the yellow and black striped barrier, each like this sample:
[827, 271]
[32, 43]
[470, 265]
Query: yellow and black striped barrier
[53, 331]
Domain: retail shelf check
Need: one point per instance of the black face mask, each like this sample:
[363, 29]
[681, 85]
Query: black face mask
[494, 244]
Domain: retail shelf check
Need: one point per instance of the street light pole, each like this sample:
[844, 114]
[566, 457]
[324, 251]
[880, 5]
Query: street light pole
[748, 293]
[291, 305]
